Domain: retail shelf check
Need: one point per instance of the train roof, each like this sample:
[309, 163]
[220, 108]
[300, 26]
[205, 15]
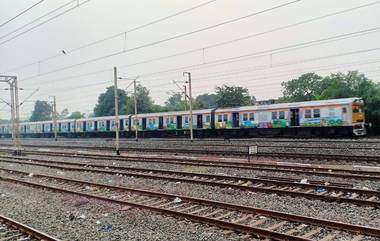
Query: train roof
[341, 101]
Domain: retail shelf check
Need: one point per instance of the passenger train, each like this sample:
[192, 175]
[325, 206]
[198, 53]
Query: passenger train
[324, 118]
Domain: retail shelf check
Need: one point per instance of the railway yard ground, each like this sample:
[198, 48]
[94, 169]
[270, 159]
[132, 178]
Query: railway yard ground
[174, 189]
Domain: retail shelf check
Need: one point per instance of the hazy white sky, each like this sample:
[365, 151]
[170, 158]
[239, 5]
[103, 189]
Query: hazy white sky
[77, 86]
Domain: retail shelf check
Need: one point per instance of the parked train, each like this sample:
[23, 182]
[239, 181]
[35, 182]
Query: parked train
[325, 118]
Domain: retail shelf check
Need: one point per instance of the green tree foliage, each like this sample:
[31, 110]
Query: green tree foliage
[76, 115]
[175, 102]
[106, 102]
[305, 88]
[64, 113]
[145, 102]
[337, 85]
[231, 96]
[4, 121]
[42, 111]
[205, 101]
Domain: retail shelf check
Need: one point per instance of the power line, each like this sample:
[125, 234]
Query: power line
[225, 60]
[273, 51]
[21, 13]
[257, 85]
[44, 22]
[115, 35]
[204, 48]
[173, 37]
[221, 74]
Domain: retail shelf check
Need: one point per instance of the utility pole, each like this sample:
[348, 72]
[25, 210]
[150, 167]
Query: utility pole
[185, 93]
[117, 144]
[135, 100]
[191, 105]
[55, 117]
[15, 111]
[136, 118]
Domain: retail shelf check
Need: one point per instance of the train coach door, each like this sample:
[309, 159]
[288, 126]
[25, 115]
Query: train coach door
[199, 121]
[160, 122]
[235, 119]
[294, 117]
[179, 122]
[144, 123]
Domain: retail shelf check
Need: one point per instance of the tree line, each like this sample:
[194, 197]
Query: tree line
[309, 86]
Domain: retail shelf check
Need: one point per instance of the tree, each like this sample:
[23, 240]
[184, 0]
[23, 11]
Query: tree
[145, 103]
[106, 102]
[42, 111]
[205, 101]
[175, 102]
[231, 96]
[305, 88]
[354, 84]
[337, 85]
[4, 121]
[64, 113]
[76, 115]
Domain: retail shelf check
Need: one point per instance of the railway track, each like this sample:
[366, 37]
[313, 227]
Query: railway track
[267, 167]
[220, 150]
[332, 192]
[248, 221]
[12, 230]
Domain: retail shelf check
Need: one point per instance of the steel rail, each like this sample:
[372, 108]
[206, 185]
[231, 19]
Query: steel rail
[329, 193]
[26, 229]
[241, 153]
[301, 169]
[353, 229]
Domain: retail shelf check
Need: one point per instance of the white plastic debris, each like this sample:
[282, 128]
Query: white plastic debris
[98, 222]
[177, 200]
[82, 216]
[30, 175]
[304, 181]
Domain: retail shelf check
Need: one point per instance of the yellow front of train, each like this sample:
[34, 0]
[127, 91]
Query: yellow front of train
[358, 118]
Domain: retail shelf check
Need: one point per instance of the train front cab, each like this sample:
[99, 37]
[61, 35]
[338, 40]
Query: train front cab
[358, 118]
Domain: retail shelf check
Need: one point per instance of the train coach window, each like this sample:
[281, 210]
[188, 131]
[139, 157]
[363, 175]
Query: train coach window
[186, 119]
[220, 118]
[167, 120]
[251, 116]
[245, 116]
[344, 110]
[281, 115]
[225, 117]
[317, 113]
[208, 118]
[307, 114]
[274, 115]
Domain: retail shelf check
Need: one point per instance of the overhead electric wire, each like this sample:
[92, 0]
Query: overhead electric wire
[175, 37]
[219, 61]
[258, 86]
[221, 74]
[44, 22]
[21, 13]
[115, 35]
[250, 55]
[273, 51]
[207, 47]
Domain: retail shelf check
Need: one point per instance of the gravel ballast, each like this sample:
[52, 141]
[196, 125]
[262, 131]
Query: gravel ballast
[74, 218]
[313, 208]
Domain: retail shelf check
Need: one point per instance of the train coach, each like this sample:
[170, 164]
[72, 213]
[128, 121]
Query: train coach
[324, 118]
